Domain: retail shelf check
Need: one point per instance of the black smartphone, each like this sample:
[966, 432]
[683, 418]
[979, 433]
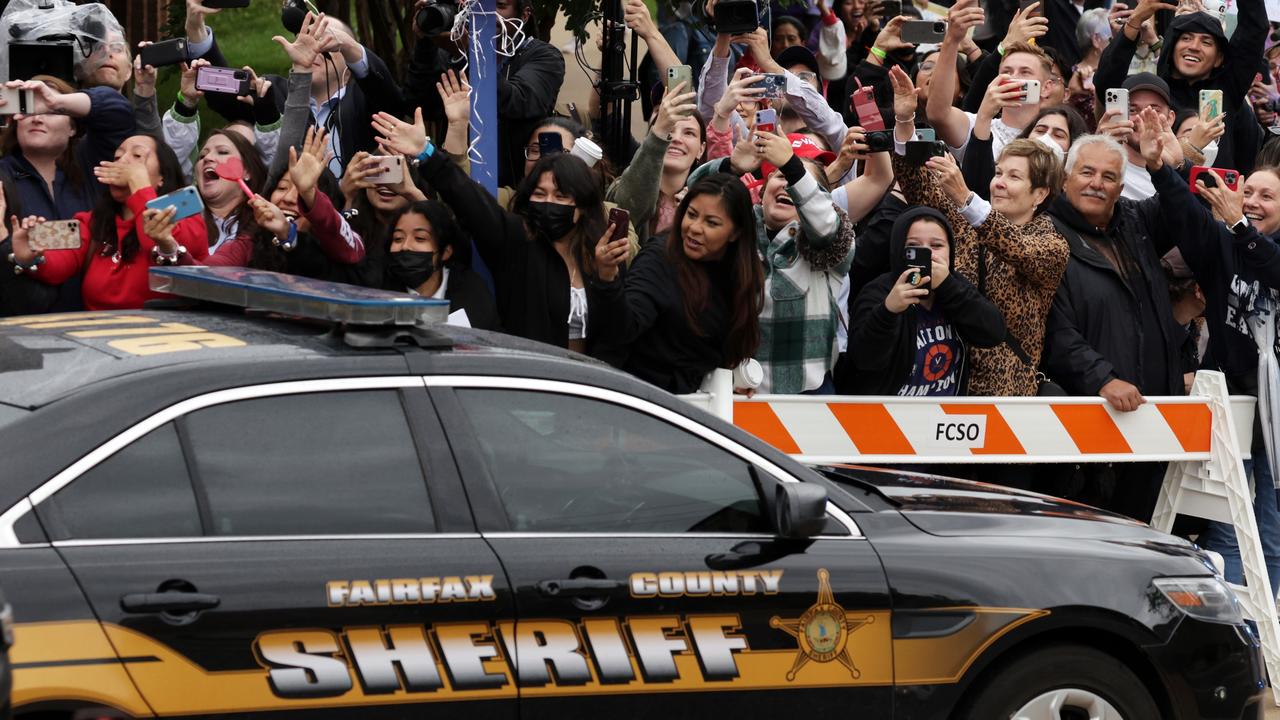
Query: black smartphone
[550, 143]
[919, 151]
[168, 52]
[920, 261]
[224, 4]
[890, 9]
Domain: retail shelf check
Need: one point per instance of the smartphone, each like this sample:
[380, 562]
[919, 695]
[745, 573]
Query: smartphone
[1030, 92]
[766, 120]
[1023, 4]
[391, 171]
[919, 151]
[550, 143]
[736, 17]
[920, 260]
[225, 4]
[774, 84]
[1230, 178]
[56, 235]
[169, 52]
[17, 100]
[864, 104]
[679, 74]
[1210, 104]
[621, 221]
[186, 200]
[890, 9]
[919, 32]
[926, 134]
[1118, 102]
[222, 80]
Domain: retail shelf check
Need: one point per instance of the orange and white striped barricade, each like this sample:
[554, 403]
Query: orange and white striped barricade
[1205, 438]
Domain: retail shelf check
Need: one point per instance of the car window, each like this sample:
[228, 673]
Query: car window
[142, 491]
[571, 464]
[335, 463]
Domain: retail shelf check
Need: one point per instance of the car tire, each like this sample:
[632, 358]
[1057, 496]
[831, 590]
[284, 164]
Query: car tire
[1033, 685]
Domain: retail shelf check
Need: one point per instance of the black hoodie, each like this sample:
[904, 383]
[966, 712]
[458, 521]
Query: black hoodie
[1241, 60]
[883, 344]
[1235, 272]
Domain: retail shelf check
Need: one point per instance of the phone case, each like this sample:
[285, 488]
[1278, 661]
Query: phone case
[1118, 101]
[919, 32]
[56, 235]
[864, 105]
[679, 74]
[1030, 92]
[17, 101]
[1226, 177]
[392, 172]
[222, 80]
[169, 52]
[186, 200]
[775, 85]
[1210, 104]
[621, 220]
[766, 120]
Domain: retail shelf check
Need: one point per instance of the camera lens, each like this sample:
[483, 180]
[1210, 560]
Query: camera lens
[435, 18]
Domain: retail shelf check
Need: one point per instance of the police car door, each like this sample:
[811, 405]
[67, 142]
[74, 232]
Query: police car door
[267, 549]
[648, 579]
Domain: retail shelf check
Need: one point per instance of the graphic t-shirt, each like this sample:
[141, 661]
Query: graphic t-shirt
[939, 357]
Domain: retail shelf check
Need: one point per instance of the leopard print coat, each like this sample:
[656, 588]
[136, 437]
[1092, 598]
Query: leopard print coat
[1024, 265]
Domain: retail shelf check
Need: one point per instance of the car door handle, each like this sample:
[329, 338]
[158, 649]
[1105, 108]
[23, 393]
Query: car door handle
[168, 602]
[577, 587]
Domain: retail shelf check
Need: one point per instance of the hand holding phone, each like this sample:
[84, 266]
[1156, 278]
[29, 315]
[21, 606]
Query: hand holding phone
[550, 143]
[389, 170]
[1213, 177]
[766, 120]
[919, 261]
[56, 235]
[16, 101]
[169, 52]
[222, 80]
[620, 219]
[1117, 101]
[185, 200]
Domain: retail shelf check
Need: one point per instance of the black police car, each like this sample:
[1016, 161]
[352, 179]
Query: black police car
[212, 513]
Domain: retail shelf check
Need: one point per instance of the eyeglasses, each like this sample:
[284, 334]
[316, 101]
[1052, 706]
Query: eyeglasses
[808, 76]
[533, 152]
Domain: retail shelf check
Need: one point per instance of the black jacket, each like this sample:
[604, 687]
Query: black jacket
[643, 312]
[1235, 272]
[528, 84]
[466, 291]
[882, 345]
[1103, 326]
[530, 279]
[1242, 59]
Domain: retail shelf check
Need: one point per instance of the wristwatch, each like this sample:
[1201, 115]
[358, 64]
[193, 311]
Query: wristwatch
[1239, 225]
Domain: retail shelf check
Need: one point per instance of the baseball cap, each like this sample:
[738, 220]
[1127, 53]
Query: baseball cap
[1148, 81]
[798, 55]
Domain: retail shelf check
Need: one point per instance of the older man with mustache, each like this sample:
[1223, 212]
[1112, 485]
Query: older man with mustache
[1111, 331]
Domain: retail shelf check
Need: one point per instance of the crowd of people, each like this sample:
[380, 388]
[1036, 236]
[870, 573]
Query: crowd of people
[1015, 204]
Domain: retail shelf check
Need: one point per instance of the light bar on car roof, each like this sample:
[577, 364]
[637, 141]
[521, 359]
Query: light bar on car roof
[298, 296]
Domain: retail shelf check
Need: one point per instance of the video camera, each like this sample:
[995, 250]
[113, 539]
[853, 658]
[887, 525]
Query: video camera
[735, 17]
[55, 37]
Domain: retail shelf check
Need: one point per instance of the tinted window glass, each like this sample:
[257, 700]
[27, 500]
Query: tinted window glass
[319, 464]
[141, 491]
[571, 464]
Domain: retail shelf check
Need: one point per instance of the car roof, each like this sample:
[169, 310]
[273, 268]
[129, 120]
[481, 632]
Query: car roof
[47, 357]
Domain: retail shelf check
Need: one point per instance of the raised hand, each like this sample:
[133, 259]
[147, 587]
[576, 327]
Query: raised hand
[308, 44]
[306, 167]
[906, 97]
[1150, 138]
[354, 180]
[637, 17]
[1026, 25]
[455, 93]
[46, 99]
[195, 26]
[1227, 204]
[890, 37]
[610, 254]
[1003, 92]
[187, 82]
[676, 105]
[23, 252]
[116, 173]
[950, 178]
[399, 137]
[144, 77]
[1145, 9]
[963, 15]
[773, 148]
[738, 92]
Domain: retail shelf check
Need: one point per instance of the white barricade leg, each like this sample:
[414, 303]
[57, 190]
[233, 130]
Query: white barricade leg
[1218, 489]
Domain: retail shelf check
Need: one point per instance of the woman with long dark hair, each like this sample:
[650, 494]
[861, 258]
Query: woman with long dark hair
[690, 304]
[429, 256]
[541, 252]
[119, 239]
[226, 207]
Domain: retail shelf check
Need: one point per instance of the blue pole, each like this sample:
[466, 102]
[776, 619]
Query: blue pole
[483, 76]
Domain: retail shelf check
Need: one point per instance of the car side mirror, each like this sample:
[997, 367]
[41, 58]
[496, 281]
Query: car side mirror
[800, 509]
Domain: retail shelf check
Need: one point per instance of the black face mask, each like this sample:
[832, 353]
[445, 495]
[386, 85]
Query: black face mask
[411, 268]
[552, 220]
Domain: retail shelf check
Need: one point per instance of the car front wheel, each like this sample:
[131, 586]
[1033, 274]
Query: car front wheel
[1062, 682]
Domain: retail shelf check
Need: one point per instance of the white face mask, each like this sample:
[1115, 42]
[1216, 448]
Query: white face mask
[1047, 140]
